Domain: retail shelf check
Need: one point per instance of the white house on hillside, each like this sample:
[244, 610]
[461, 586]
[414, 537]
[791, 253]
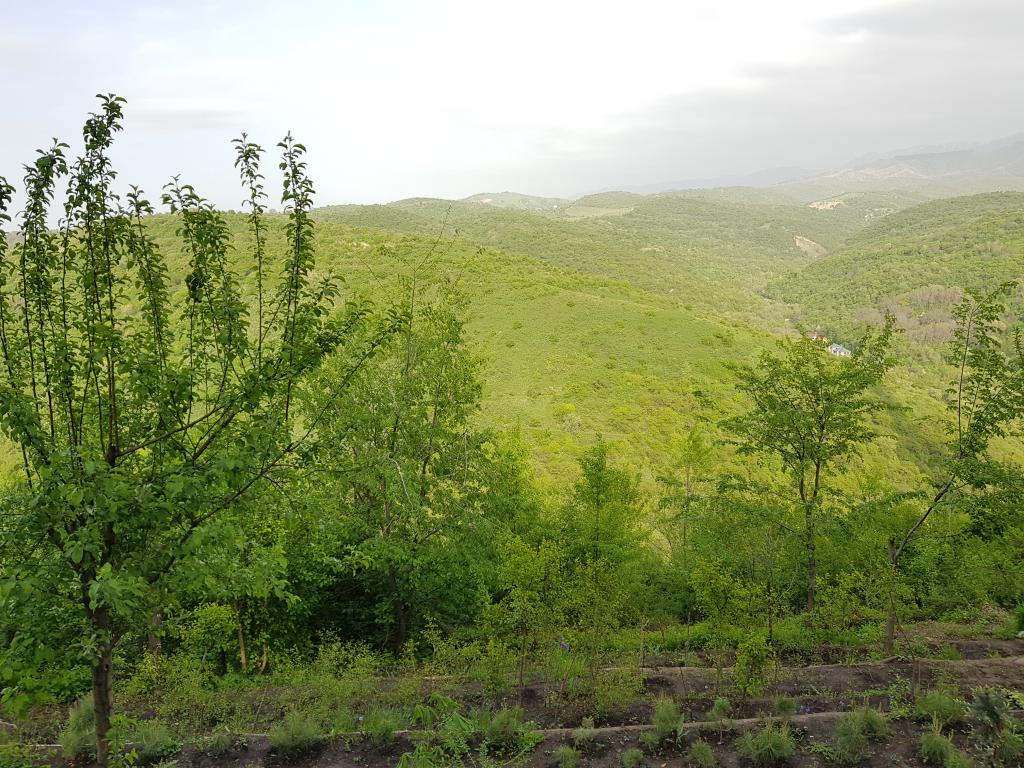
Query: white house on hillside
[839, 350]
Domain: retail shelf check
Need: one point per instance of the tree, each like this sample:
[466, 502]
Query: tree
[145, 405]
[810, 409]
[986, 398]
[401, 467]
[690, 456]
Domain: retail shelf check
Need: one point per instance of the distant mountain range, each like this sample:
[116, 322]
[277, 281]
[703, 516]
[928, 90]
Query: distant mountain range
[952, 169]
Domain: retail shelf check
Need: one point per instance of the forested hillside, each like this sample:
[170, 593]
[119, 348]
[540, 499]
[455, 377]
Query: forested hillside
[507, 480]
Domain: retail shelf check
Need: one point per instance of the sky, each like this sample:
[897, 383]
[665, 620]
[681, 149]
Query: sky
[396, 98]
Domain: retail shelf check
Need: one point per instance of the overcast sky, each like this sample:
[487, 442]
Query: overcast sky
[549, 97]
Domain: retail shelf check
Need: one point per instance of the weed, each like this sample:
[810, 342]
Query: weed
[16, 756]
[567, 757]
[455, 733]
[1008, 747]
[900, 703]
[424, 756]
[769, 746]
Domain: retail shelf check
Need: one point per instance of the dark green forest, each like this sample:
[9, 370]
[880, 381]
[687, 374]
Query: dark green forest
[521, 481]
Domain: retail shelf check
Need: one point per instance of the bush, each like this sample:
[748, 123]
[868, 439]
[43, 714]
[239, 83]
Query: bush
[667, 720]
[939, 707]
[1008, 747]
[632, 758]
[153, 741]
[992, 707]
[701, 754]
[294, 735]
[379, 726]
[78, 737]
[1020, 617]
[872, 723]
[506, 733]
[936, 749]
[750, 673]
[850, 740]
[785, 707]
[567, 757]
[854, 730]
[769, 746]
[649, 740]
[719, 714]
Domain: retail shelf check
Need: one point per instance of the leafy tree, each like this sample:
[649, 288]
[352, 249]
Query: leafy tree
[401, 468]
[986, 399]
[689, 460]
[809, 409]
[144, 404]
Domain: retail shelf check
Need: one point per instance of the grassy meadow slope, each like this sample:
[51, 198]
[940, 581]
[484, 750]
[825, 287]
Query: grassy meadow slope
[710, 256]
[568, 356]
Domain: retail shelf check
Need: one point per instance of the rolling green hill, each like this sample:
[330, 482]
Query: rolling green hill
[567, 355]
[915, 263]
[625, 322]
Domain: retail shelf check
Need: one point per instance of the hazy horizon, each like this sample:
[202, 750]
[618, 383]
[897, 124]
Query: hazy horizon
[400, 100]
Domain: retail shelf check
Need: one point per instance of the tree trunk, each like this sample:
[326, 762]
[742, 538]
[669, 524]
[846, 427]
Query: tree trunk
[153, 643]
[890, 619]
[243, 656]
[103, 700]
[812, 558]
[400, 614]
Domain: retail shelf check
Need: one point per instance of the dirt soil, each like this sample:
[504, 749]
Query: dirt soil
[823, 692]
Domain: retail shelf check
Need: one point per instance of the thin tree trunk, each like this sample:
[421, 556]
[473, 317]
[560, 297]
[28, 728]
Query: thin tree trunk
[890, 619]
[812, 558]
[153, 643]
[102, 697]
[243, 656]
